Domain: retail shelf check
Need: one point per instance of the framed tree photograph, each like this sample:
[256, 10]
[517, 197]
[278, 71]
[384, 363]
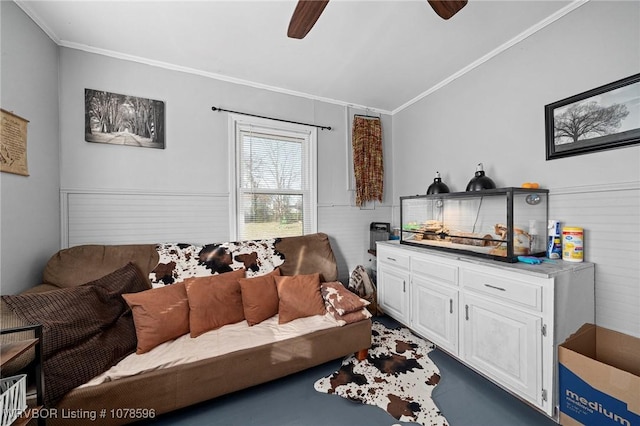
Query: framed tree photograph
[123, 120]
[606, 117]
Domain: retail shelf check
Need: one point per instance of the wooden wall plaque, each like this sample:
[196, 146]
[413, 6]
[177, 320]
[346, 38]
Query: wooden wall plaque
[13, 144]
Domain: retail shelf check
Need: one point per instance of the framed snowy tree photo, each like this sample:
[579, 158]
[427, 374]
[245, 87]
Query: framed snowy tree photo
[606, 117]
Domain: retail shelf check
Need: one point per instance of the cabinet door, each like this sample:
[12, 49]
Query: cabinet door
[393, 287]
[434, 310]
[505, 344]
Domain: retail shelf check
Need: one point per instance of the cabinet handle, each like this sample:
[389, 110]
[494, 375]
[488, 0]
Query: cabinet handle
[450, 306]
[404, 287]
[495, 287]
[466, 312]
[391, 259]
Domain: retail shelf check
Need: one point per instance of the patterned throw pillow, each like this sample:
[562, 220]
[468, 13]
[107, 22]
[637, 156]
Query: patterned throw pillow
[360, 283]
[181, 261]
[350, 317]
[342, 300]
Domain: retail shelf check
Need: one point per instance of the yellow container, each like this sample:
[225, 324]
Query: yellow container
[572, 244]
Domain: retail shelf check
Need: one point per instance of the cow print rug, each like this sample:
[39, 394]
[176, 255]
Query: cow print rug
[397, 376]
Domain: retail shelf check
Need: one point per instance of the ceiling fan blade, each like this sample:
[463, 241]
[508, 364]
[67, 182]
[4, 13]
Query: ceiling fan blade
[447, 8]
[305, 16]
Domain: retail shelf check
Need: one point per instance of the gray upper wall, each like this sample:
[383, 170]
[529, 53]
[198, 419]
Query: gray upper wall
[196, 157]
[495, 113]
[30, 207]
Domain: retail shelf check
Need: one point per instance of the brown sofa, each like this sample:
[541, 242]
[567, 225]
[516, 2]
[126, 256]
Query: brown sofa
[168, 389]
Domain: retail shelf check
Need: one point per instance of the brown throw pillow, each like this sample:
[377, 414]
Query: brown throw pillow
[214, 301]
[299, 297]
[259, 297]
[343, 300]
[160, 314]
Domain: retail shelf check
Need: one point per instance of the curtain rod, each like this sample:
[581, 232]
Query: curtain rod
[270, 118]
[366, 116]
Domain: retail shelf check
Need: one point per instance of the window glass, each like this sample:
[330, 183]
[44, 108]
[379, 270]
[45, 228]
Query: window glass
[275, 180]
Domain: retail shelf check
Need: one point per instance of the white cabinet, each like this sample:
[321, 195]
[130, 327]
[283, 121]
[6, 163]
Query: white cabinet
[505, 344]
[434, 301]
[393, 297]
[434, 310]
[503, 320]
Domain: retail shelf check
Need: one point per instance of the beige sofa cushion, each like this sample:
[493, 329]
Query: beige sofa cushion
[68, 267]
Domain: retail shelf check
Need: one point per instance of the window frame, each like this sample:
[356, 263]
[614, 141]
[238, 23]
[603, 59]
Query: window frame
[237, 123]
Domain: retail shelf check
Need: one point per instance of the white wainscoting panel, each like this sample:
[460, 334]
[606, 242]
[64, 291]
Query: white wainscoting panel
[103, 217]
[610, 216]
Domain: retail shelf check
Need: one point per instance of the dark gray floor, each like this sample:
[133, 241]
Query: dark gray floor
[463, 397]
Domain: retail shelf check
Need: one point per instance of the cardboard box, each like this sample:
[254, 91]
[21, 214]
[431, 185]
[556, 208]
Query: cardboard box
[599, 377]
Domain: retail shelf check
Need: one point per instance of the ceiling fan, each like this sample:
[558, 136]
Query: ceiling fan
[307, 13]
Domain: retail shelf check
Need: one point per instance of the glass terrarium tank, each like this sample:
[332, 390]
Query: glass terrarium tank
[496, 223]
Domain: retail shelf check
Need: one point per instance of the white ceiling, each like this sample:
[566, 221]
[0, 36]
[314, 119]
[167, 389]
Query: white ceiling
[376, 54]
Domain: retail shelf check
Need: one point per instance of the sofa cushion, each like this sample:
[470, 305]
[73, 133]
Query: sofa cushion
[80, 264]
[214, 301]
[159, 314]
[299, 297]
[342, 300]
[259, 297]
[308, 254]
[88, 322]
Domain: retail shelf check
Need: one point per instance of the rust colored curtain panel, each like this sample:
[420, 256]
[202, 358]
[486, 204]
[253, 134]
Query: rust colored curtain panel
[367, 159]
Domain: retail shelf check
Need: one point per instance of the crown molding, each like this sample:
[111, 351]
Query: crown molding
[24, 5]
[215, 76]
[498, 50]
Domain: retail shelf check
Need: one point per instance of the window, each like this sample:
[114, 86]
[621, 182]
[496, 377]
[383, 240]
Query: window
[274, 181]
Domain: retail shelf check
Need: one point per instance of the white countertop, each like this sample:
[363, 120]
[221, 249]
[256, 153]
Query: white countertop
[546, 269]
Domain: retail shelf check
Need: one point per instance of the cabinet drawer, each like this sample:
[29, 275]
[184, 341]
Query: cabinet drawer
[440, 271]
[392, 257]
[520, 292]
